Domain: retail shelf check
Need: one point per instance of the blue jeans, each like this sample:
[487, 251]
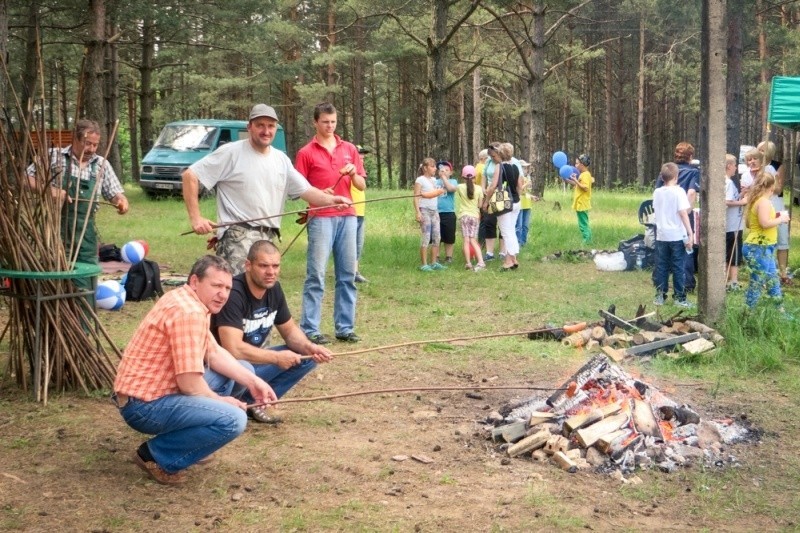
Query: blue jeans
[523, 221]
[670, 258]
[187, 428]
[326, 235]
[279, 379]
[760, 260]
[359, 237]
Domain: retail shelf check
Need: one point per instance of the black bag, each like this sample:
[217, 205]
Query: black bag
[637, 255]
[144, 281]
[109, 252]
[500, 202]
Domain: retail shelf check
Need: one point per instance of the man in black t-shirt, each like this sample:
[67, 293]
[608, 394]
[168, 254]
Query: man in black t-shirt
[243, 326]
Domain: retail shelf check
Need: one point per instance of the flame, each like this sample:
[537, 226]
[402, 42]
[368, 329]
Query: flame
[666, 430]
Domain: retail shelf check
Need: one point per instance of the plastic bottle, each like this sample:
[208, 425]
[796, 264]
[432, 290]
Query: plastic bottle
[638, 259]
[689, 251]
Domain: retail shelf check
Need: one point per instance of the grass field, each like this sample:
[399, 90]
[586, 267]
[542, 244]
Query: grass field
[330, 468]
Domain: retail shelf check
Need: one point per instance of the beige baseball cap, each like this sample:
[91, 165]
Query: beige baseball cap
[263, 110]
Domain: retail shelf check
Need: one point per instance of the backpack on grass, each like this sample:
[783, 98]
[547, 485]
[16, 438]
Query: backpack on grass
[144, 281]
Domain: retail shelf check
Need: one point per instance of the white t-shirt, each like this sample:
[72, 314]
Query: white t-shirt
[427, 184]
[734, 219]
[748, 178]
[667, 201]
[249, 184]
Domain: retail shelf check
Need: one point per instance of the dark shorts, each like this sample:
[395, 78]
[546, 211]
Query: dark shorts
[488, 227]
[447, 223]
[733, 251]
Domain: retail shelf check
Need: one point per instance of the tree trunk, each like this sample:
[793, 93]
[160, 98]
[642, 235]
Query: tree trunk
[376, 123]
[477, 114]
[330, 41]
[30, 75]
[735, 77]
[112, 100]
[147, 94]
[436, 139]
[538, 106]
[405, 110]
[711, 289]
[640, 172]
[358, 86]
[4, 56]
[609, 133]
[93, 105]
[762, 57]
[289, 114]
[134, 137]
[462, 127]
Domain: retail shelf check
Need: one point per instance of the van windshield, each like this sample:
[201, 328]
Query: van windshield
[187, 137]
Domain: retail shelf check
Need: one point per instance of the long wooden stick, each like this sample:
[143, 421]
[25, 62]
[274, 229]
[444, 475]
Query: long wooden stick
[403, 389]
[441, 341]
[307, 210]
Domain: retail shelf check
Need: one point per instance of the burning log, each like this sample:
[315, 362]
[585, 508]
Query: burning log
[681, 415]
[538, 417]
[594, 366]
[528, 444]
[606, 442]
[590, 417]
[644, 420]
[589, 435]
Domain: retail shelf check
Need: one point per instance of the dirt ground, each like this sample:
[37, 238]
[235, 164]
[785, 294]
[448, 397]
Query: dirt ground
[330, 465]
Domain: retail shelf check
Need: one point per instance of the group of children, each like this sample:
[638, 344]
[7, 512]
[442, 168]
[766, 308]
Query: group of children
[468, 202]
[754, 204]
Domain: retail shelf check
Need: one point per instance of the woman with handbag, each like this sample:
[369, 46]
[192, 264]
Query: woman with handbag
[502, 199]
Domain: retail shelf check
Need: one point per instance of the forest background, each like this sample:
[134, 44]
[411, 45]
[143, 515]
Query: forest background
[617, 79]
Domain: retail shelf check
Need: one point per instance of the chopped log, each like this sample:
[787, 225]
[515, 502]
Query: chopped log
[706, 331]
[680, 327]
[604, 443]
[552, 427]
[617, 321]
[497, 433]
[593, 366]
[698, 346]
[617, 340]
[589, 435]
[556, 443]
[612, 353]
[598, 333]
[590, 417]
[643, 337]
[538, 417]
[657, 345]
[528, 444]
[574, 453]
[592, 346]
[644, 420]
[514, 432]
[565, 462]
[578, 339]
[681, 415]
[539, 455]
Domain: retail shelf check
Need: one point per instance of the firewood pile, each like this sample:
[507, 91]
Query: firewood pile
[602, 418]
[641, 336]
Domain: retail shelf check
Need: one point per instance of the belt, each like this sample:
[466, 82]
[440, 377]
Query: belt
[261, 229]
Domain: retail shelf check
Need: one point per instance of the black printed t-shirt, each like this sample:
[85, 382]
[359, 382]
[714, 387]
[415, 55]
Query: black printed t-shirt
[254, 316]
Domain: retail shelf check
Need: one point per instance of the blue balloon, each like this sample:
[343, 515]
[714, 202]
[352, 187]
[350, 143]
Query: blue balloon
[566, 171]
[560, 159]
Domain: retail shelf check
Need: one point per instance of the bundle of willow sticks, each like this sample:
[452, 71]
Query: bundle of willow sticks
[75, 351]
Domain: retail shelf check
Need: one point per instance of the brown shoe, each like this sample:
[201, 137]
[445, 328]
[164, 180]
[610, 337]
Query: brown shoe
[155, 471]
[264, 415]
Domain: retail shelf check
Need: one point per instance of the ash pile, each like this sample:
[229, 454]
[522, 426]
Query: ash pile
[605, 420]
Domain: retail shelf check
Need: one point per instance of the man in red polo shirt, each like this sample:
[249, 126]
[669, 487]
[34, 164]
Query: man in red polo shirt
[330, 164]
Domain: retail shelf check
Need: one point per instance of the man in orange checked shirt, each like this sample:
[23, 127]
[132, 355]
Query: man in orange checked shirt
[177, 383]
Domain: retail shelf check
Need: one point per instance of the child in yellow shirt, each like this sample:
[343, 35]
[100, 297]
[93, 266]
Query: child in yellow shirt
[582, 195]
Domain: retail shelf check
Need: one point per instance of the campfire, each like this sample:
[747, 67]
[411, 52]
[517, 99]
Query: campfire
[603, 418]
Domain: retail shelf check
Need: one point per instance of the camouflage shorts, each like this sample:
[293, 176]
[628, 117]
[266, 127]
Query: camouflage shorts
[236, 242]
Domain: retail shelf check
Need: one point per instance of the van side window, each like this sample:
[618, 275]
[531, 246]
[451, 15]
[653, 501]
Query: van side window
[243, 134]
[224, 137]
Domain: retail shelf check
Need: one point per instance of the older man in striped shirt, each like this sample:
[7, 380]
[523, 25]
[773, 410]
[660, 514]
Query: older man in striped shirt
[177, 383]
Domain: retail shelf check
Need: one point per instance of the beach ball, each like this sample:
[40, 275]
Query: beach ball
[560, 159]
[110, 295]
[145, 246]
[133, 252]
[567, 171]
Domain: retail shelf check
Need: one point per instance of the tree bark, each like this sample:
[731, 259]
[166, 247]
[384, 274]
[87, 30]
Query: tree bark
[535, 93]
[436, 138]
[711, 289]
[477, 114]
[640, 155]
[93, 105]
[147, 94]
[764, 71]
[735, 76]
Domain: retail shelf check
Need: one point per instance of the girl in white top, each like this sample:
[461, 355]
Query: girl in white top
[427, 213]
